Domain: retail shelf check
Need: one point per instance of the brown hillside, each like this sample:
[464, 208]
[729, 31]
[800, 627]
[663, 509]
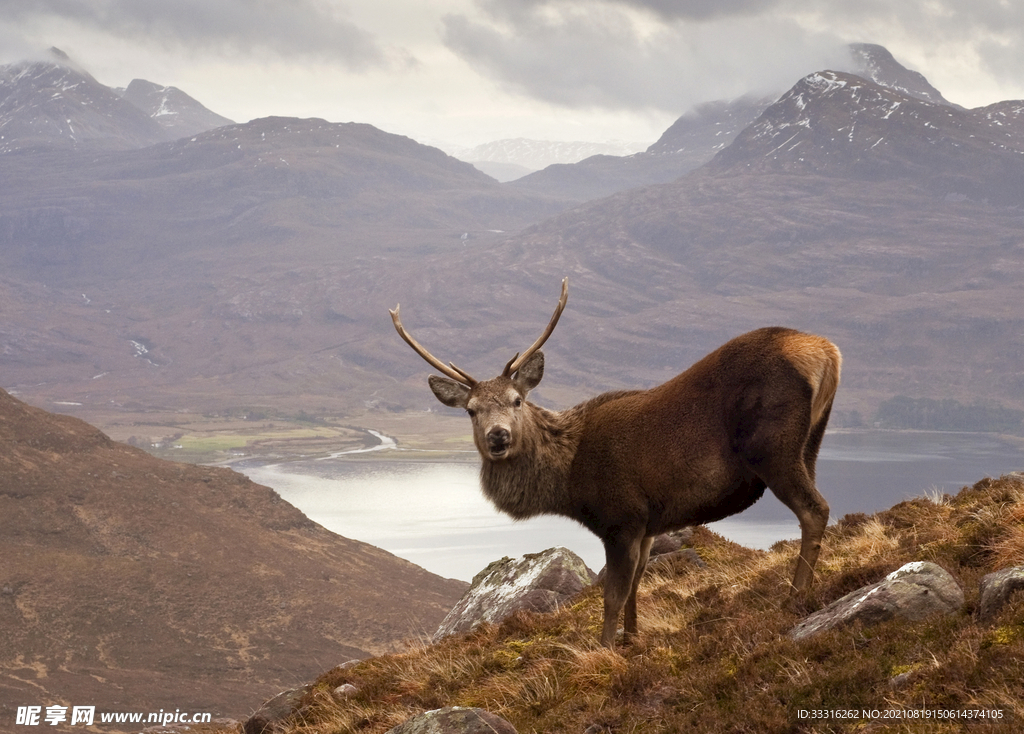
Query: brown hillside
[714, 653]
[134, 583]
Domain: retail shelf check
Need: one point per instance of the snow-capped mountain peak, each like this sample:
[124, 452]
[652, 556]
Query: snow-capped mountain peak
[53, 103]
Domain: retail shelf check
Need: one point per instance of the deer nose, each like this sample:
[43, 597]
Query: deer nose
[498, 439]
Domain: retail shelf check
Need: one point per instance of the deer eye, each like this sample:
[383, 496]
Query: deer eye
[470, 412]
[518, 403]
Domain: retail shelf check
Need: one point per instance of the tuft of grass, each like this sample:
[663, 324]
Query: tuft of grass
[713, 654]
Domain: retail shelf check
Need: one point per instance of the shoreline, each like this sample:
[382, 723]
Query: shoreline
[395, 450]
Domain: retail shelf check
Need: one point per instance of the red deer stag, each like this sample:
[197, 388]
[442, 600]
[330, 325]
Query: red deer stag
[630, 465]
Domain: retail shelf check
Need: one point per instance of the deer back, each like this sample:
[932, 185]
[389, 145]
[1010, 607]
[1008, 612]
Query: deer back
[687, 451]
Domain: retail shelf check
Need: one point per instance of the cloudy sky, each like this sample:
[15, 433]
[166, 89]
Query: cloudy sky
[469, 71]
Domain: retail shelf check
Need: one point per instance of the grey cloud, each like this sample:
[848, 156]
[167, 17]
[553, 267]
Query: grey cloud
[990, 30]
[668, 9]
[676, 53]
[701, 9]
[289, 28]
[594, 54]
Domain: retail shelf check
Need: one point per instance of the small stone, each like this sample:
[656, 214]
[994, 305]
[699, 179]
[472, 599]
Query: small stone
[996, 590]
[665, 544]
[900, 680]
[345, 690]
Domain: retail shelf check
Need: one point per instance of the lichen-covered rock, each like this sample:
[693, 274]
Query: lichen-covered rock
[455, 720]
[537, 582]
[997, 588]
[272, 716]
[912, 592]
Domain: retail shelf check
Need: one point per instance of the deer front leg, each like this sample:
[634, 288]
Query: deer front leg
[621, 557]
[629, 622]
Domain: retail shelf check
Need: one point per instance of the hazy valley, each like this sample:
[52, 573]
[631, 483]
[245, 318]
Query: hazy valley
[252, 266]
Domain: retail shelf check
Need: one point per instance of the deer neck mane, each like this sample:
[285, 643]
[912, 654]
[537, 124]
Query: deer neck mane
[533, 482]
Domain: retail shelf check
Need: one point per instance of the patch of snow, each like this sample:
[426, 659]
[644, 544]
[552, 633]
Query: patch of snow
[825, 82]
[906, 570]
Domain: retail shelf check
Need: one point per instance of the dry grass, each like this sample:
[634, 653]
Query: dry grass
[713, 654]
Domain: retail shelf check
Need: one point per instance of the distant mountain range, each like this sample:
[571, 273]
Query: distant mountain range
[257, 261]
[892, 224]
[698, 135]
[838, 124]
[515, 157]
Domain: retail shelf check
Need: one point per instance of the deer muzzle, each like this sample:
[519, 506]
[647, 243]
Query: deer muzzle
[498, 441]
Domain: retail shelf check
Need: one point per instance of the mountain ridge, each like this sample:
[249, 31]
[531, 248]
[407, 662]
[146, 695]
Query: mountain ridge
[697, 136]
[47, 105]
[835, 121]
[173, 109]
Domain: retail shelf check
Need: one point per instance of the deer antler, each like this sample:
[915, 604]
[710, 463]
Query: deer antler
[448, 369]
[520, 359]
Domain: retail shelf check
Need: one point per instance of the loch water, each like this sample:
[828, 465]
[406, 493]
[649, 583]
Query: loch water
[432, 512]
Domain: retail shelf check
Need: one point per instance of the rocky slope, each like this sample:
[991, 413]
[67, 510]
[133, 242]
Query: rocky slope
[139, 584]
[875, 63]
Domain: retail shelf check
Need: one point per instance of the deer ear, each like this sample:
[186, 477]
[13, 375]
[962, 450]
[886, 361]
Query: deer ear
[530, 374]
[449, 392]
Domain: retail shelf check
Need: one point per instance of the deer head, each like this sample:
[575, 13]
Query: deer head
[498, 407]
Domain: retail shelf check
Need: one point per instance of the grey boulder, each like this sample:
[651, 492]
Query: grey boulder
[996, 590]
[272, 717]
[537, 582]
[454, 720]
[912, 592]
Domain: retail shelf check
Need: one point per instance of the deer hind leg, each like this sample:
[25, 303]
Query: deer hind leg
[796, 490]
[811, 510]
[622, 555]
[786, 464]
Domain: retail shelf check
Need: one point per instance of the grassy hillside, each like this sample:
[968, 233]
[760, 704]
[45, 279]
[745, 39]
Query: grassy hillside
[713, 654]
